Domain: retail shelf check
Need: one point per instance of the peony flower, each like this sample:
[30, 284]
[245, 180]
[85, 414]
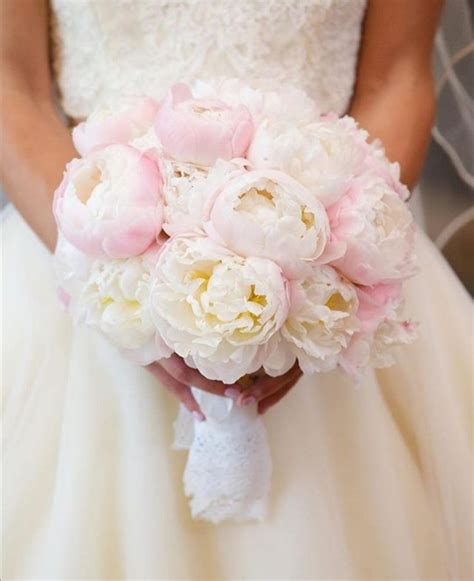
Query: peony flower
[264, 99]
[201, 131]
[184, 195]
[71, 267]
[390, 334]
[321, 321]
[376, 348]
[378, 230]
[70, 264]
[378, 164]
[110, 203]
[377, 304]
[322, 156]
[188, 189]
[268, 214]
[149, 145]
[382, 329]
[215, 309]
[106, 126]
[115, 301]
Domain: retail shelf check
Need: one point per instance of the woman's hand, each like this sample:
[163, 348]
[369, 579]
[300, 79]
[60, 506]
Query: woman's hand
[177, 378]
[267, 391]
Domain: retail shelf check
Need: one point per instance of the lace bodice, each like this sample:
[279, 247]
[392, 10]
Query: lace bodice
[107, 48]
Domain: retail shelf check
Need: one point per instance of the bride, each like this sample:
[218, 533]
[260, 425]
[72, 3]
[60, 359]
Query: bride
[370, 482]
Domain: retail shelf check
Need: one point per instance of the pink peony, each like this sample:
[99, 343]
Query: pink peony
[202, 131]
[108, 126]
[267, 213]
[377, 303]
[377, 229]
[110, 203]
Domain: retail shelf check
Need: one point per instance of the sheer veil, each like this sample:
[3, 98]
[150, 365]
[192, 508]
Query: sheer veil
[453, 69]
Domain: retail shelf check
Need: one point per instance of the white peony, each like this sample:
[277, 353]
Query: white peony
[322, 156]
[264, 99]
[184, 194]
[71, 267]
[148, 143]
[115, 300]
[390, 334]
[377, 348]
[377, 163]
[321, 321]
[188, 189]
[269, 214]
[216, 309]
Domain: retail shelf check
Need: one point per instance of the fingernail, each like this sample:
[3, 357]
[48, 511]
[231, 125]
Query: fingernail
[232, 393]
[198, 416]
[249, 401]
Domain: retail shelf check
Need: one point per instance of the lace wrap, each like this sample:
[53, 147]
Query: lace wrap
[228, 472]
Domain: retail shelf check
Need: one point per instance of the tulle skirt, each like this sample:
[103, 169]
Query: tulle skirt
[372, 481]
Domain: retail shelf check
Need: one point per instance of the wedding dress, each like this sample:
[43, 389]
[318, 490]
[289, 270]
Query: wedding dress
[369, 482]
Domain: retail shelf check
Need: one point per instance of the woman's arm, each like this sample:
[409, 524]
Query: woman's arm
[394, 95]
[35, 143]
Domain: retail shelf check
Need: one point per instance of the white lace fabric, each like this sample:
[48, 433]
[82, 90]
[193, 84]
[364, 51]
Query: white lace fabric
[104, 49]
[228, 472]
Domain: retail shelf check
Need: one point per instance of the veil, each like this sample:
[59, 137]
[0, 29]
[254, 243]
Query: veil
[454, 75]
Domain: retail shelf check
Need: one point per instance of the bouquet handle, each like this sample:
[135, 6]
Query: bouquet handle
[228, 471]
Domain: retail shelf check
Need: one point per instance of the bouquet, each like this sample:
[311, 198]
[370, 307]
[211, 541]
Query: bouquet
[244, 231]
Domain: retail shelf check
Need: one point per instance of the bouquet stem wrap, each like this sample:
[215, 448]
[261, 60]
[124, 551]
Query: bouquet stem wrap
[228, 471]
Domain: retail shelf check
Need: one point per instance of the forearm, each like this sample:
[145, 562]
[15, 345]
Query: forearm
[35, 146]
[400, 112]
[394, 95]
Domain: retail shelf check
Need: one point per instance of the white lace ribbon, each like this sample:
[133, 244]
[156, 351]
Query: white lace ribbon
[228, 472]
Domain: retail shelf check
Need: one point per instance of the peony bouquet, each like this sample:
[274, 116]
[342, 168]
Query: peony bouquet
[242, 230]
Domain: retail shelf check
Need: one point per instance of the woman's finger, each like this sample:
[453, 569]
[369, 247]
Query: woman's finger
[266, 386]
[265, 404]
[178, 369]
[181, 391]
